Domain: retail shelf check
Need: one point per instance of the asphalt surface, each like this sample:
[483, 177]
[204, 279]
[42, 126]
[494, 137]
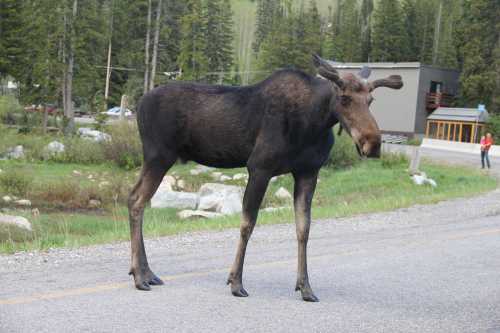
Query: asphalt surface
[431, 268]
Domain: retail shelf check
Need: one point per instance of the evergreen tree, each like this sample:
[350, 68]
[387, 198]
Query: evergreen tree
[10, 35]
[192, 58]
[267, 12]
[478, 45]
[219, 38]
[366, 29]
[390, 40]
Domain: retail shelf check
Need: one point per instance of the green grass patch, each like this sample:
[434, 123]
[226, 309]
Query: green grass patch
[370, 186]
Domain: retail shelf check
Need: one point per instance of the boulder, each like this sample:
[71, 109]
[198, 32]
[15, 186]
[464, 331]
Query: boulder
[23, 202]
[216, 175]
[187, 214]
[17, 221]
[224, 178]
[220, 198]
[93, 203]
[172, 199]
[282, 193]
[181, 184]
[240, 176]
[15, 153]
[200, 169]
[7, 199]
[54, 148]
[94, 135]
[421, 179]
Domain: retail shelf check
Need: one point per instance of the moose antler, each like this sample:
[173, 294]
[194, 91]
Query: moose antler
[327, 71]
[393, 82]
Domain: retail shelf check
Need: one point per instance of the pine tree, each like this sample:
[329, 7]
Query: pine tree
[366, 29]
[267, 12]
[478, 49]
[192, 58]
[10, 35]
[389, 39]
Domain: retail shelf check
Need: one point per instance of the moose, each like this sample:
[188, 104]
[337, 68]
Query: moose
[280, 125]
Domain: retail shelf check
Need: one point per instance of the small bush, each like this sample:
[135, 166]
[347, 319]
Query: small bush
[16, 182]
[9, 106]
[393, 160]
[343, 153]
[125, 147]
[414, 142]
[81, 151]
[493, 126]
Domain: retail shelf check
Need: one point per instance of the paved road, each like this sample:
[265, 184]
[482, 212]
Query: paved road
[423, 269]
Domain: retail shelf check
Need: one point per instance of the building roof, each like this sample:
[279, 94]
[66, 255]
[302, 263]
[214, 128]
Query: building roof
[459, 114]
[348, 65]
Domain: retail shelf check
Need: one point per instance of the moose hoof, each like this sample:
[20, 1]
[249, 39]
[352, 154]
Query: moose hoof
[309, 297]
[238, 290]
[142, 286]
[155, 281]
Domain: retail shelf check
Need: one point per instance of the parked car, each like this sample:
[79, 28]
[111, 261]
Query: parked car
[115, 112]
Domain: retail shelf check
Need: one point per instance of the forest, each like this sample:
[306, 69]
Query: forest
[86, 54]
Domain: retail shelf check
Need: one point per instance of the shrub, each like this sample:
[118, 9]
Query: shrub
[493, 126]
[16, 182]
[81, 151]
[9, 106]
[343, 153]
[414, 142]
[393, 160]
[125, 147]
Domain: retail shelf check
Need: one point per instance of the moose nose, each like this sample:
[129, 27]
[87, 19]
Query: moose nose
[372, 148]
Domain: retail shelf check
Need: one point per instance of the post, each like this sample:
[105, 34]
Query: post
[45, 118]
[415, 161]
[123, 106]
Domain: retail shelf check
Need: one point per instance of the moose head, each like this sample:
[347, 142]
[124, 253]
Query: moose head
[352, 105]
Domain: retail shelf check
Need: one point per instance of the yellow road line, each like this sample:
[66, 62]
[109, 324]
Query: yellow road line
[122, 285]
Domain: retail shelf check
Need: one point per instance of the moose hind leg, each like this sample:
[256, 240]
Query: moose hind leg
[254, 193]
[305, 186]
[151, 176]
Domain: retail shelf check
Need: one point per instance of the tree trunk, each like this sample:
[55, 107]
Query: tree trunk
[146, 50]
[437, 34]
[69, 114]
[155, 46]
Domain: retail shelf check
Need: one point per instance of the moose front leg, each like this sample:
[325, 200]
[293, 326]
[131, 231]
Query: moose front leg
[305, 184]
[254, 193]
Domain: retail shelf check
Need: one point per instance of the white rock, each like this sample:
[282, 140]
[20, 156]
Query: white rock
[173, 199]
[200, 169]
[77, 173]
[194, 172]
[94, 203]
[6, 199]
[17, 221]
[104, 183]
[90, 134]
[220, 198]
[35, 212]
[54, 148]
[181, 184]
[282, 193]
[1, 170]
[165, 185]
[224, 178]
[186, 214]
[15, 153]
[274, 179]
[216, 175]
[170, 179]
[274, 209]
[23, 202]
[239, 176]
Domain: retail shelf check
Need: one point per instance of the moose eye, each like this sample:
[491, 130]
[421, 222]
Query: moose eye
[345, 100]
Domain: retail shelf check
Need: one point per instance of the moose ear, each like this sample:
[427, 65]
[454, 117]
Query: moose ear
[393, 82]
[327, 71]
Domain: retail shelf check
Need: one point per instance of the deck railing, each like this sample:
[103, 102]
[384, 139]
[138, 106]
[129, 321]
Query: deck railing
[435, 100]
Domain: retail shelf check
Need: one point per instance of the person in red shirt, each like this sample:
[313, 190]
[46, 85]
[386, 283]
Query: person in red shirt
[486, 143]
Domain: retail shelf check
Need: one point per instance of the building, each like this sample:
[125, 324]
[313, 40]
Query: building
[457, 124]
[405, 111]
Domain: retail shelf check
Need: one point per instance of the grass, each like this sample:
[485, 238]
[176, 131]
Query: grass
[371, 186]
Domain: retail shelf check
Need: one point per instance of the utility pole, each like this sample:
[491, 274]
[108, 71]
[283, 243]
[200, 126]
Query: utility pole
[108, 69]
[146, 52]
